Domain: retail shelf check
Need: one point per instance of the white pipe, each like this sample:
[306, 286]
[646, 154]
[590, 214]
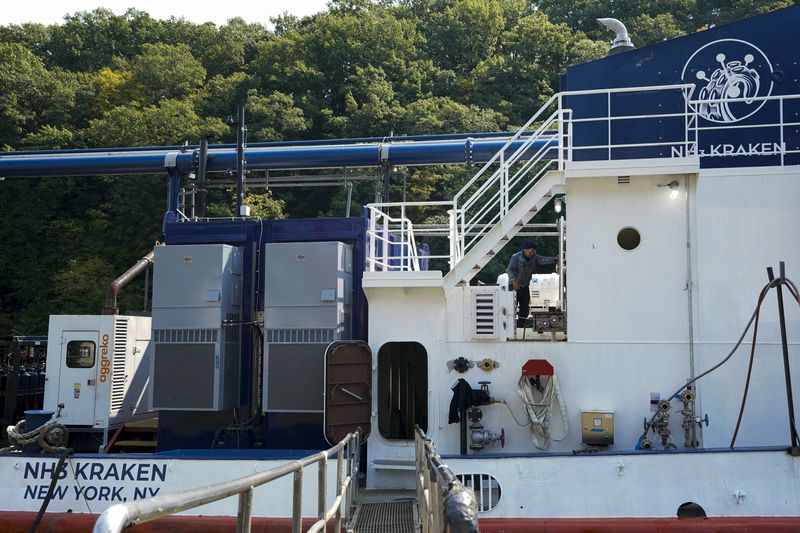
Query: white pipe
[621, 42]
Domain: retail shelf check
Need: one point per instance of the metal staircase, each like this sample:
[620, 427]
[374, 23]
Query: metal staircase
[489, 210]
[492, 241]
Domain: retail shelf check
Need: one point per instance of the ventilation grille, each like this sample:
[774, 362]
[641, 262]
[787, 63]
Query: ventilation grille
[118, 363]
[385, 517]
[623, 180]
[486, 488]
[485, 313]
[183, 336]
[306, 336]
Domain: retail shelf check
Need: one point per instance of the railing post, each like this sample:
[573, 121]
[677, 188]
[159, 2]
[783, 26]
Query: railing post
[339, 488]
[686, 97]
[437, 509]
[503, 185]
[608, 108]
[403, 244]
[561, 147]
[385, 246]
[322, 486]
[297, 500]
[372, 229]
[569, 136]
[453, 237]
[780, 113]
[245, 515]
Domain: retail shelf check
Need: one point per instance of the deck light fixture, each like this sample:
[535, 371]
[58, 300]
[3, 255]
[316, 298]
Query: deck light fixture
[673, 188]
[557, 204]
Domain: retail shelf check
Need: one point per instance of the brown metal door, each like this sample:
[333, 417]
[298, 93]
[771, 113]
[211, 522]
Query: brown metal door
[348, 389]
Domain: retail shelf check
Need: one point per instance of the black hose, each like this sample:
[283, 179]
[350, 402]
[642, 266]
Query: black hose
[50, 490]
[749, 375]
[762, 295]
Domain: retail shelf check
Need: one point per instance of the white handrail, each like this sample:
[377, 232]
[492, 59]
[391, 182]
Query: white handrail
[119, 516]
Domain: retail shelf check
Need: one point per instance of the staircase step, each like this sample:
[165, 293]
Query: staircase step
[141, 443]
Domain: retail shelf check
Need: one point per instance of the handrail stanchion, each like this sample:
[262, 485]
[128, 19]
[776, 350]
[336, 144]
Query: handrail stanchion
[561, 147]
[385, 244]
[503, 185]
[244, 519]
[297, 501]
[322, 486]
[780, 115]
[608, 117]
[339, 462]
[403, 246]
[372, 229]
[453, 237]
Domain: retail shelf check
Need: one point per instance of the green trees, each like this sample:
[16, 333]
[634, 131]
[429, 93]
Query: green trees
[363, 68]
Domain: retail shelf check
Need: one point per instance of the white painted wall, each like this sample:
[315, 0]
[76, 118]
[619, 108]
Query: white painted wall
[629, 314]
[744, 223]
[620, 295]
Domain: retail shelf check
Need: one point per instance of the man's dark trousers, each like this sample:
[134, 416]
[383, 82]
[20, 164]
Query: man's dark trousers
[523, 301]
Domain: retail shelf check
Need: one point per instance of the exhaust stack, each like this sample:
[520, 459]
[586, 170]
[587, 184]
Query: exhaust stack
[621, 43]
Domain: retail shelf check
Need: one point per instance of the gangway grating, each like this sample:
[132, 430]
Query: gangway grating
[386, 517]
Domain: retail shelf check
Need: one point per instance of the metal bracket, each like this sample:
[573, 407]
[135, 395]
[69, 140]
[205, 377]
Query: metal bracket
[171, 159]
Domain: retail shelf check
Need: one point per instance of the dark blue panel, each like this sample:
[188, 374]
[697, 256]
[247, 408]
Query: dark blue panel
[756, 57]
[293, 430]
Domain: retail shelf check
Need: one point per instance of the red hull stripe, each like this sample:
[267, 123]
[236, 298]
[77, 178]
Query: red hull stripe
[20, 522]
[754, 524]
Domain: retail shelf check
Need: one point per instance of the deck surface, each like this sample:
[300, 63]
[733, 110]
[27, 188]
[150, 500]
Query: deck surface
[385, 512]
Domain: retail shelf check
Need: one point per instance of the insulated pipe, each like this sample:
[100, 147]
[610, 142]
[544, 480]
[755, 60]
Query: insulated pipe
[621, 43]
[113, 289]
[282, 158]
[276, 144]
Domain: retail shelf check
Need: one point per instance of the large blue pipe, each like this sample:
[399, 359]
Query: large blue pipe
[265, 158]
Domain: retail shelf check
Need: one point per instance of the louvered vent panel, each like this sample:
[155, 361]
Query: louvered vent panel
[485, 313]
[305, 336]
[185, 336]
[118, 363]
[623, 180]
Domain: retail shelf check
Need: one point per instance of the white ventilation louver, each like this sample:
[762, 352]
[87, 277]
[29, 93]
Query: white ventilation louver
[484, 305]
[118, 363]
[623, 180]
[487, 489]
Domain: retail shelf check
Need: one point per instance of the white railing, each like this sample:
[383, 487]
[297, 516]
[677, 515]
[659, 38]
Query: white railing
[534, 150]
[779, 121]
[117, 517]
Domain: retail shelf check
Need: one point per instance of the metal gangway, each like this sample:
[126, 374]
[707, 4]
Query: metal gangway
[117, 517]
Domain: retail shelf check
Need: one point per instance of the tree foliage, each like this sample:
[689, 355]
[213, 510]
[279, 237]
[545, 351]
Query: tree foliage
[362, 68]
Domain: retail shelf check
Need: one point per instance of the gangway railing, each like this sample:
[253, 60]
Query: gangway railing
[117, 517]
[445, 504]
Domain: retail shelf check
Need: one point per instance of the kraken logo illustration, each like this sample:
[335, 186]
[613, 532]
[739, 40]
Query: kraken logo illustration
[733, 76]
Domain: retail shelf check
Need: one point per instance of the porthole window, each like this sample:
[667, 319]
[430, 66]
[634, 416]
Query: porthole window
[629, 238]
